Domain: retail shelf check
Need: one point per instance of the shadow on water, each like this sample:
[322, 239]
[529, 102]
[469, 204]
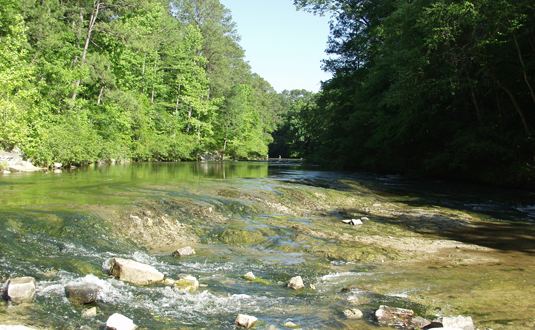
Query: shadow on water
[506, 217]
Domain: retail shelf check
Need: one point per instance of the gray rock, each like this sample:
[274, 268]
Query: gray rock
[296, 283]
[120, 322]
[245, 321]
[133, 272]
[394, 317]
[82, 293]
[353, 314]
[458, 322]
[20, 290]
[184, 252]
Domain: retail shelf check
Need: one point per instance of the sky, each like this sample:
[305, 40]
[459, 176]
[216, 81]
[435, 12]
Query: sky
[283, 45]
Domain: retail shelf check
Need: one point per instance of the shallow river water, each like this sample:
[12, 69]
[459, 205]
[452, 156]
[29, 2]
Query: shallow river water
[439, 249]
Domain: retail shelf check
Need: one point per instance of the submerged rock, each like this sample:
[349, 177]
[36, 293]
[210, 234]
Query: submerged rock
[187, 283]
[394, 317]
[458, 322]
[89, 313]
[133, 272]
[120, 322]
[249, 276]
[20, 290]
[353, 314]
[245, 321]
[184, 252]
[296, 283]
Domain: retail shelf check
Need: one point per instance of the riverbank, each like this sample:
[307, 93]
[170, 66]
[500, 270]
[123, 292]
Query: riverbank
[440, 252]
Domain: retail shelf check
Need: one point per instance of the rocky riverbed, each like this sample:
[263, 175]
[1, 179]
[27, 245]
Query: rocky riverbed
[281, 246]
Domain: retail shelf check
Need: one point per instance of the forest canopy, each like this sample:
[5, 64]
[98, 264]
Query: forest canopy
[91, 80]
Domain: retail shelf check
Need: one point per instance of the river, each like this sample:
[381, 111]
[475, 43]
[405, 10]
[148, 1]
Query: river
[437, 248]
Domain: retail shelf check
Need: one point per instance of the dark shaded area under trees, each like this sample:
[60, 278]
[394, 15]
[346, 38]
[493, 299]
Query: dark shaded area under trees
[439, 88]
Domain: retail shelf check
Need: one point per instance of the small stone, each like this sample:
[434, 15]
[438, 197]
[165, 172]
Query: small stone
[57, 165]
[291, 325]
[249, 276]
[245, 321]
[120, 322]
[394, 317]
[353, 314]
[187, 283]
[312, 286]
[365, 219]
[296, 283]
[89, 313]
[169, 281]
[353, 300]
[356, 222]
[458, 322]
[420, 323]
[82, 293]
[184, 252]
[20, 290]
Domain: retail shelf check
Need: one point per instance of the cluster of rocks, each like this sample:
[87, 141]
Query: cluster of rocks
[355, 222]
[406, 319]
[83, 292]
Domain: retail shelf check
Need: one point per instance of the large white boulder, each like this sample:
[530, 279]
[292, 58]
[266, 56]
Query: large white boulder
[20, 290]
[133, 272]
[245, 321]
[120, 322]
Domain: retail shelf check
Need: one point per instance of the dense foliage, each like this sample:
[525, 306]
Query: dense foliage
[439, 87]
[121, 79]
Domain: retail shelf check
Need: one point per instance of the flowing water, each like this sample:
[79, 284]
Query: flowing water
[439, 249]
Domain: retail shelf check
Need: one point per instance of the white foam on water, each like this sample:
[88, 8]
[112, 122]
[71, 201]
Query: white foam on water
[336, 276]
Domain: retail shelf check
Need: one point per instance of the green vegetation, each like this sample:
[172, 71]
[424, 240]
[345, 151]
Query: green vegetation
[435, 87]
[122, 79]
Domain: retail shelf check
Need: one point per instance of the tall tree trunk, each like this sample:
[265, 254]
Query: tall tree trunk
[100, 95]
[516, 106]
[524, 71]
[92, 21]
